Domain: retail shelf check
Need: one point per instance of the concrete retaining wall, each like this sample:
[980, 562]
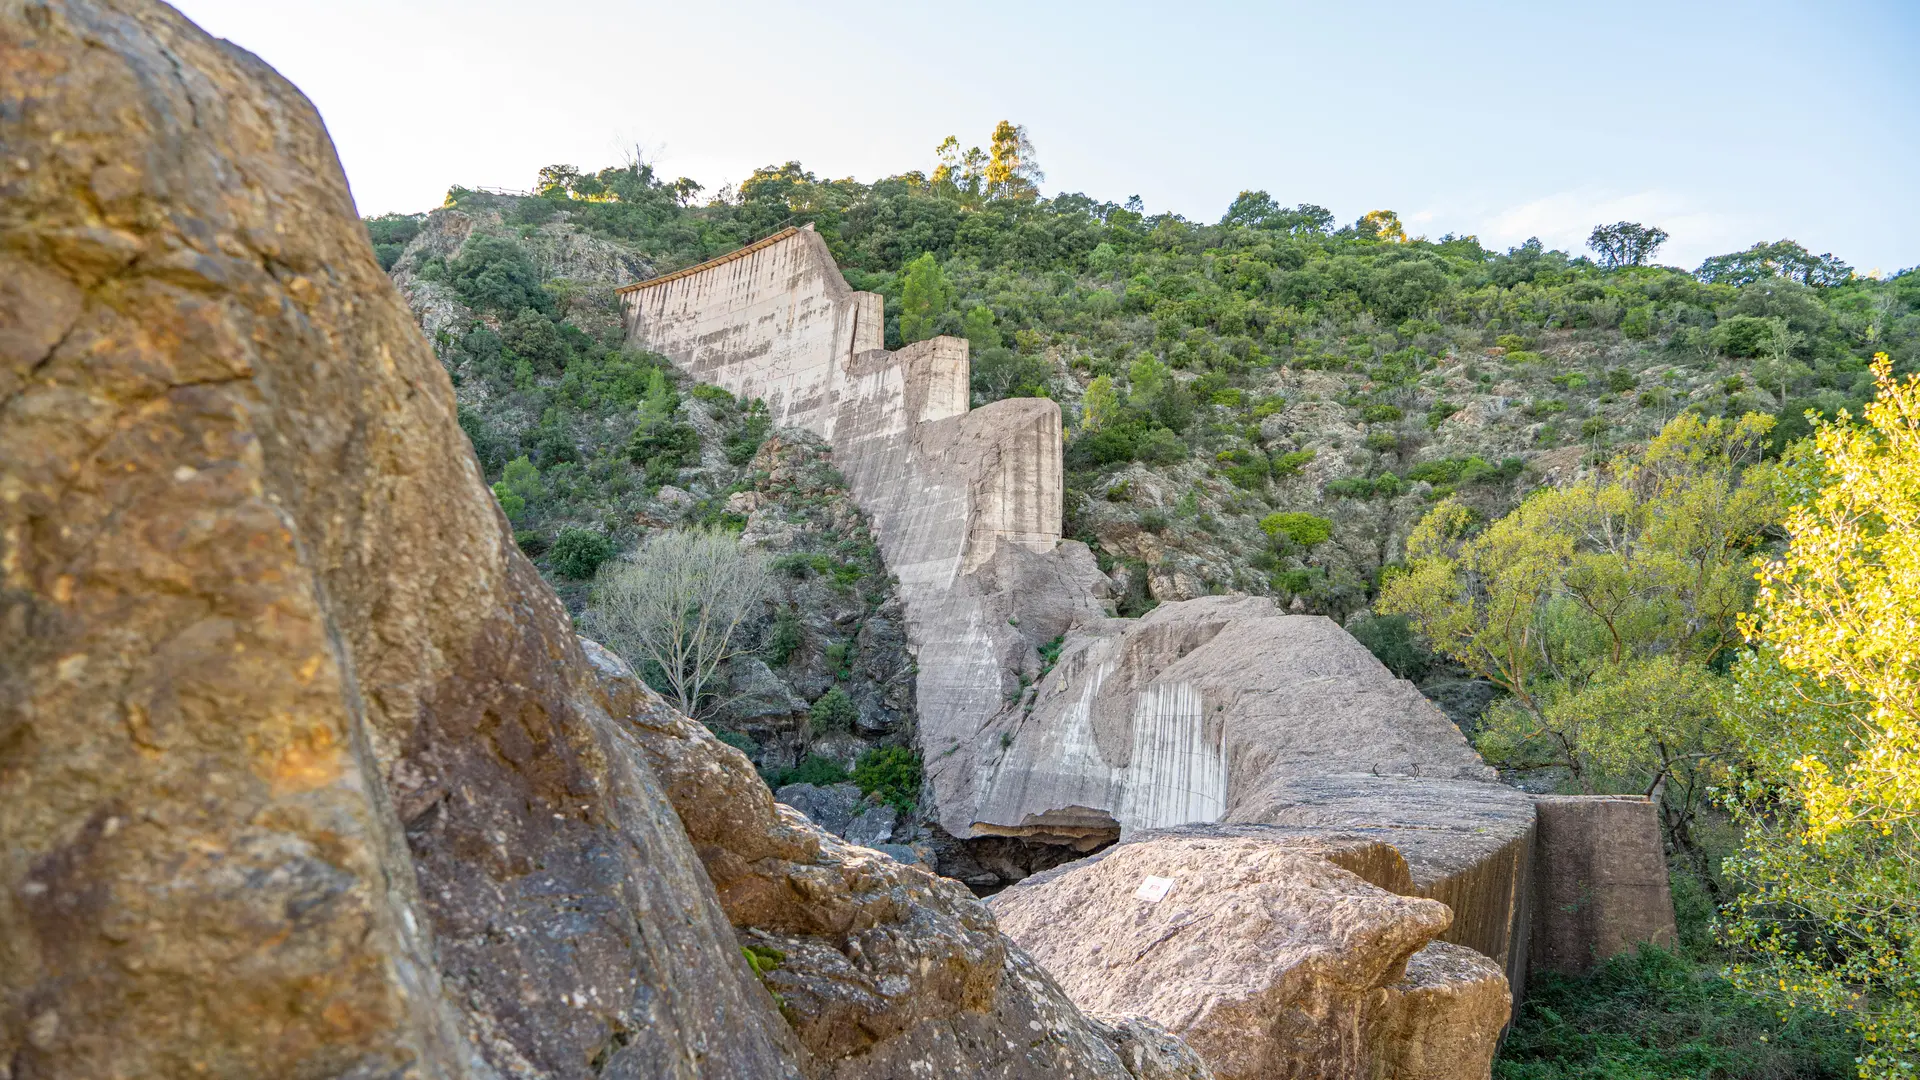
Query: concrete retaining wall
[949, 488]
[1599, 882]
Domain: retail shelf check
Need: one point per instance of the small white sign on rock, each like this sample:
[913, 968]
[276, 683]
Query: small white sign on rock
[1154, 889]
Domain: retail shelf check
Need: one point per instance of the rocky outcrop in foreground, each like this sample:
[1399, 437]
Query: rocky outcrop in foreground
[302, 770]
[1272, 955]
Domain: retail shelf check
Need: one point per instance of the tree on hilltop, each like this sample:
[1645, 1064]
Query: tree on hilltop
[1012, 172]
[1625, 243]
[1780, 259]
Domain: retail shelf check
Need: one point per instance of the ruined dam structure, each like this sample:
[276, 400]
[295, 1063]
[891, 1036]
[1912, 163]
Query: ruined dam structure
[965, 502]
[1220, 713]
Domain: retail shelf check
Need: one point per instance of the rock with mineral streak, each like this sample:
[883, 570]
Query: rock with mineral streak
[1197, 713]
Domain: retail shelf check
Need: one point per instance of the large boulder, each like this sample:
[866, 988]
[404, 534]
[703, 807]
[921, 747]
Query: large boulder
[1294, 956]
[1468, 844]
[1197, 712]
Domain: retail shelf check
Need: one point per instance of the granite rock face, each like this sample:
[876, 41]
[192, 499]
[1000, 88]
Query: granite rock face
[1468, 844]
[1440, 1021]
[1285, 956]
[883, 969]
[302, 772]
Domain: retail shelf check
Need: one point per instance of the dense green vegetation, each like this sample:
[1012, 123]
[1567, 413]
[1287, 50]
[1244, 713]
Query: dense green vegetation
[1271, 403]
[1170, 342]
[1662, 1014]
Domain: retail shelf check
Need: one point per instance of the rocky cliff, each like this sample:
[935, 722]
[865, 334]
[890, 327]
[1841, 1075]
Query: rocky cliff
[303, 772]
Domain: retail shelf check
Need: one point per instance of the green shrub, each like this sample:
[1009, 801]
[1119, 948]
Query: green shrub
[738, 740]
[798, 565]
[511, 504]
[1290, 464]
[1301, 530]
[1438, 412]
[488, 445]
[763, 958]
[838, 657]
[1742, 335]
[578, 553]
[1620, 380]
[814, 770]
[832, 711]
[1549, 407]
[1473, 469]
[390, 234]
[1050, 654]
[1246, 468]
[1296, 582]
[1382, 441]
[891, 773]
[1386, 485]
[533, 337]
[784, 638]
[519, 489]
[1380, 414]
[1391, 640]
[531, 541]
[664, 445]
[493, 273]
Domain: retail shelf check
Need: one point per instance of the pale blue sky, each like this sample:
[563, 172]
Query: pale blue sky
[1725, 123]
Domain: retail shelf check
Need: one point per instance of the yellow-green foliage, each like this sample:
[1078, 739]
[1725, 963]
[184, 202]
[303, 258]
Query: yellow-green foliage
[1304, 530]
[1829, 709]
[1599, 607]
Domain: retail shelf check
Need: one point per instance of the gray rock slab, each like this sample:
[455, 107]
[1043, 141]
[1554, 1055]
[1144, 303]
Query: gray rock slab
[872, 826]
[830, 806]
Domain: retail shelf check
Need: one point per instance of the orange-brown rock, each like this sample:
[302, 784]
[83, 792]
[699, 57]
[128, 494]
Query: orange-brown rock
[302, 772]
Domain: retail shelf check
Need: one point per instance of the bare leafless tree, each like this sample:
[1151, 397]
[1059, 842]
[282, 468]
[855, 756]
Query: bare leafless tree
[682, 600]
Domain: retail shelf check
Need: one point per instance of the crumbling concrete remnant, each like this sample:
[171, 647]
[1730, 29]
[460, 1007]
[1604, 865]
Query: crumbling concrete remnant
[1600, 881]
[963, 501]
